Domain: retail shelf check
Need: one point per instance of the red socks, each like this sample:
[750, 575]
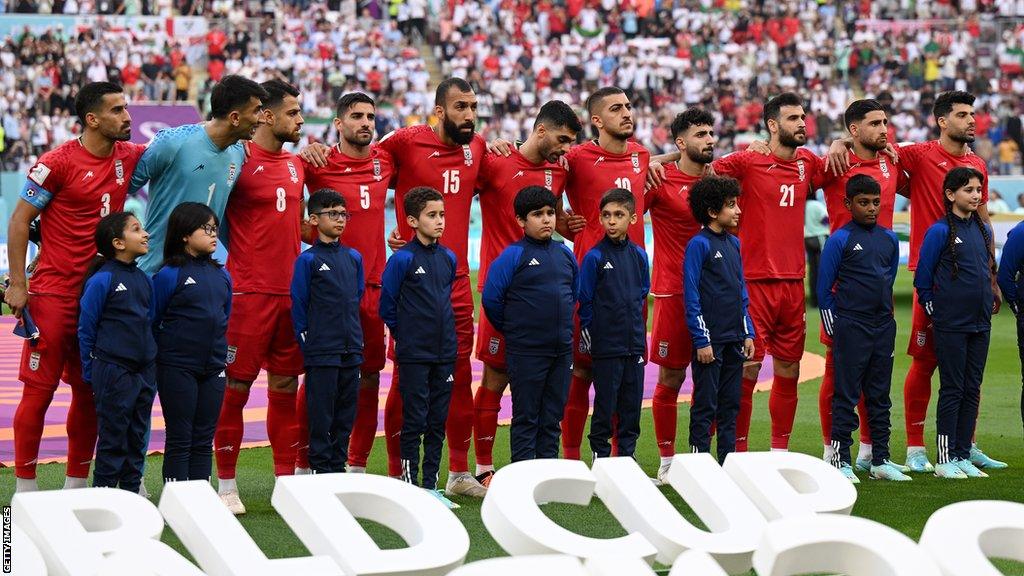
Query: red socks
[575, 417]
[364, 429]
[282, 429]
[228, 439]
[664, 408]
[746, 409]
[393, 427]
[81, 427]
[782, 408]
[485, 424]
[301, 428]
[825, 394]
[28, 429]
[459, 427]
[917, 392]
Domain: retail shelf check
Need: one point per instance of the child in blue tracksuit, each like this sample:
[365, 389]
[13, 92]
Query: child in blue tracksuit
[716, 315]
[416, 306]
[530, 297]
[855, 279]
[953, 283]
[326, 289]
[191, 305]
[614, 283]
[1011, 283]
[116, 341]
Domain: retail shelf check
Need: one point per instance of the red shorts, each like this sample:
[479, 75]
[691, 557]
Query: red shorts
[462, 306]
[780, 319]
[260, 335]
[373, 330]
[921, 345]
[582, 359]
[490, 345]
[671, 344]
[55, 356]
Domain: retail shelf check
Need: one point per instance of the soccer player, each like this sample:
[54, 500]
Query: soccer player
[264, 218]
[613, 160]
[535, 163]
[361, 173]
[198, 162]
[775, 189]
[674, 225]
[70, 188]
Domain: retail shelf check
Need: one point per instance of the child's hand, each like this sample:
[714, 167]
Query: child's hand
[748, 349]
[705, 355]
[395, 240]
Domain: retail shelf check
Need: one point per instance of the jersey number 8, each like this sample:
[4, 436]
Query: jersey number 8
[281, 197]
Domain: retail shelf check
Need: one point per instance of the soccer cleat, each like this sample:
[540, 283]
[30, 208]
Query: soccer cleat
[970, 469]
[663, 469]
[484, 478]
[302, 471]
[950, 470]
[142, 490]
[464, 485]
[448, 503]
[233, 503]
[863, 465]
[917, 461]
[981, 460]
[355, 469]
[888, 471]
[847, 472]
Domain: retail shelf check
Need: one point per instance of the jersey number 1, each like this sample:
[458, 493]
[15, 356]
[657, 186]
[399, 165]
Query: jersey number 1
[788, 195]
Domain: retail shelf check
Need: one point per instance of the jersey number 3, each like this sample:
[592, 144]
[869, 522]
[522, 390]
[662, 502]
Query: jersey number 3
[788, 195]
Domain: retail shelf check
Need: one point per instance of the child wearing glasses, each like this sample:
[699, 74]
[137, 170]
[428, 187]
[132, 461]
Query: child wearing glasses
[326, 289]
[191, 305]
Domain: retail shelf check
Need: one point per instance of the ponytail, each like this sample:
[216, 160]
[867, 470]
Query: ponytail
[111, 227]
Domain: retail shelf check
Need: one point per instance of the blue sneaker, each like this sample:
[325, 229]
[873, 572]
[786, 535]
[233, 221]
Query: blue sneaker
[440, 496]
[950, 470]
[847, 472]
[979, 459]
[970, 469]
[917, 461]
[888, 471]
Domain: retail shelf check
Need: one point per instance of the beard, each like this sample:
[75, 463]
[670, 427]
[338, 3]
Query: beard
[875, 145]
[357, 139]
[699, 156]
[456, 134]
[961, 137]
[792, 139]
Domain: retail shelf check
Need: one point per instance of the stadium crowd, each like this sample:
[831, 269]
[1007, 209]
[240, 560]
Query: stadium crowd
[725, 55]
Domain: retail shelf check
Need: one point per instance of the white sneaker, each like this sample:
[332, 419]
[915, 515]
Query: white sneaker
[233, 503]
[662, 478]
[464, 485]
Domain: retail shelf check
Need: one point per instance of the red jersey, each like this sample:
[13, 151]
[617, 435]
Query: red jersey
[423, 160]
[499, 181]
[264, 222]
[772, 222]
[594, 171]
[927, 164]
[881, 169]
[364, 184]
[74, 190]
[673, 225]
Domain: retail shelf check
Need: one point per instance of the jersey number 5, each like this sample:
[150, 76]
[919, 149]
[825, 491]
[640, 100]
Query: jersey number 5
[788, 195]
[451, 181]
[364, 196]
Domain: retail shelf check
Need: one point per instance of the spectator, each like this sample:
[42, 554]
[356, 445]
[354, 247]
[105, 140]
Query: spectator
[1009, 156]
[1020, 204]
[996, 204]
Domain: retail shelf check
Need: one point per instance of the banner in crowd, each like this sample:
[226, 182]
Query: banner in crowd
[177, 26]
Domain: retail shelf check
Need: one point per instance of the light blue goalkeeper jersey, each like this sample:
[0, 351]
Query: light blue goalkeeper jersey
[183, 165]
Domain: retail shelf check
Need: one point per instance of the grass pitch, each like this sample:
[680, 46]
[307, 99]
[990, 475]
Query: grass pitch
[903, 506]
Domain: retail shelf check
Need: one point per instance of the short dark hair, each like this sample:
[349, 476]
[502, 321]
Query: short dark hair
[944, 102]
[862, 184]
[773, 108]
[233, 92]
[351, 99]
[90, 96]
[324, 198]
[533, 198]
[416, 200]
[109, 228]
[558, 114]
[594, 100]
[277, 91]
[859, 109]
[711, 193]
[691, 117]
[446, 85]
[184, 220]
[619, 196]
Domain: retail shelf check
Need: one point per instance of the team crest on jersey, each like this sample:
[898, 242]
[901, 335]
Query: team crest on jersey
[292, 174]
[118, 172]
[922, 338]
[33, 361]
[232, 350]
[376, 169]
[883, 167]
[636, 162]
[232, 171]
[663, 349]
[467, 153]
[548, 179]
[492, 346]
[800, 168]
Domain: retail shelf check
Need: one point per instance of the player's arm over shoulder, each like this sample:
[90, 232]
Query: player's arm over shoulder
[733, 164]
